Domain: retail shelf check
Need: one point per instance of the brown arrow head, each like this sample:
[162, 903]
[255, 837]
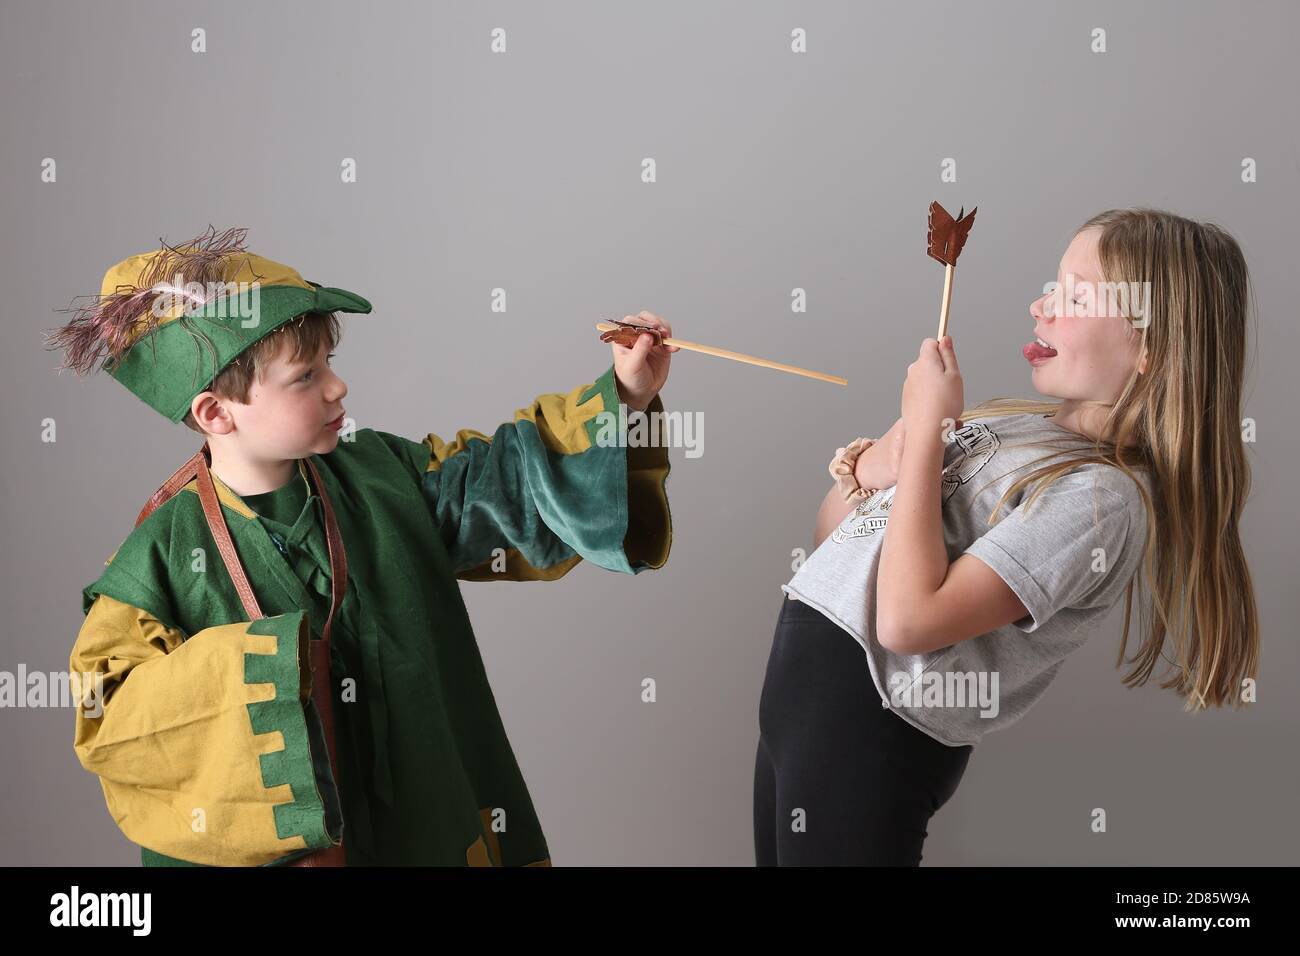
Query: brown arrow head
[946, 236]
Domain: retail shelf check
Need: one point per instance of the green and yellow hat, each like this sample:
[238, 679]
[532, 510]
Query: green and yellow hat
[167, 322]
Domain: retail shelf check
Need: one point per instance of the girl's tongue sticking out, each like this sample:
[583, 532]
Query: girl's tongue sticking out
[1038, 351]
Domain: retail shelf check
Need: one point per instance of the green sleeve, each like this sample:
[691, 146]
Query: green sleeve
[554, 486]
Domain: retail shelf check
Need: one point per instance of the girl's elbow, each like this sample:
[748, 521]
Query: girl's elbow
[890, 635]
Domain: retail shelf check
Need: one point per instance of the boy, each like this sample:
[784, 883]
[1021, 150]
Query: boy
[224, 737]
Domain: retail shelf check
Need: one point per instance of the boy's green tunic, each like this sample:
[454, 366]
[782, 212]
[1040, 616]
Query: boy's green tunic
[204, 747]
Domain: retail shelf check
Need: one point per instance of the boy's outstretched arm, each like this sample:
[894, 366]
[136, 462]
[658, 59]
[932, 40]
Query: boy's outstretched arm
[202, 744]
[560, 483]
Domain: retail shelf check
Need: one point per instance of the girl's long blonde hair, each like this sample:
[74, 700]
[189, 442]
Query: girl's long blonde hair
[1181, 424]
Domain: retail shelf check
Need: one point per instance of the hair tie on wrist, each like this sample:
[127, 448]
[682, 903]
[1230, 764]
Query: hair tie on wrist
[842, 466]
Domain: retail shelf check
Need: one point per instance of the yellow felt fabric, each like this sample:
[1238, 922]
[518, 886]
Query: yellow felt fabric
[174, 747]
[240, 267]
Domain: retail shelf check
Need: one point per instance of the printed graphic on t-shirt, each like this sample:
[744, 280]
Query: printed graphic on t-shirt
[976, 445]
[869, 517]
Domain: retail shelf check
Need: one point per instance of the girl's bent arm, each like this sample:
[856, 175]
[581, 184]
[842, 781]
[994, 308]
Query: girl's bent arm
[922, 602]
[830, 514]
[875, 469]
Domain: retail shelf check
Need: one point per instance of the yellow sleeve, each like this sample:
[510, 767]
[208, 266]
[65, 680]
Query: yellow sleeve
[202, 743]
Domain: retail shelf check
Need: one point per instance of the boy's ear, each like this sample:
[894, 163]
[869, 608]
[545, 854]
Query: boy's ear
[211, 414]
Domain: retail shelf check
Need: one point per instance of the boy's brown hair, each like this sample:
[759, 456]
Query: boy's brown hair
[306, 333]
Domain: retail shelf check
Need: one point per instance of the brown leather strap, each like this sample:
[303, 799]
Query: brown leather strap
[217, 525]
[179, 479]
[334, 542]
[197, 467]
[321, 693]
[319, 653]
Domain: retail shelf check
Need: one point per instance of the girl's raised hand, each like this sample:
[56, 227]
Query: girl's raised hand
[933, 393]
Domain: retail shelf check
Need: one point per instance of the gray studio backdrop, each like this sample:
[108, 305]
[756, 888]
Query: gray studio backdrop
[775, 170]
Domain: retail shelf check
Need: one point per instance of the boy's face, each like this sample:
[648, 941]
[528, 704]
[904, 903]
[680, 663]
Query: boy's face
[294, 409]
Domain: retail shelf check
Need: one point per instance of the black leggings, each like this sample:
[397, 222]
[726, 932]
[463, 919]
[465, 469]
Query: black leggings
[866, 780]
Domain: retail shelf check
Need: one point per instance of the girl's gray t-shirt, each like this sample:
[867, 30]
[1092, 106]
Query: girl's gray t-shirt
[1068, 558]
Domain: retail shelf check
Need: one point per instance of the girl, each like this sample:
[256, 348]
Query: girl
[1010, 538]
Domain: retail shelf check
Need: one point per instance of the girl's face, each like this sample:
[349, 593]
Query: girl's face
[1095, 346]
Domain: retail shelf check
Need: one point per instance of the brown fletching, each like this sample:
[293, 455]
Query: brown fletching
[104, 329]
[628, 333]
[946, 236]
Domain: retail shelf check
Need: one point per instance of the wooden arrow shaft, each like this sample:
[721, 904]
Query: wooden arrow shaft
[739, 357]
[948, 271]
